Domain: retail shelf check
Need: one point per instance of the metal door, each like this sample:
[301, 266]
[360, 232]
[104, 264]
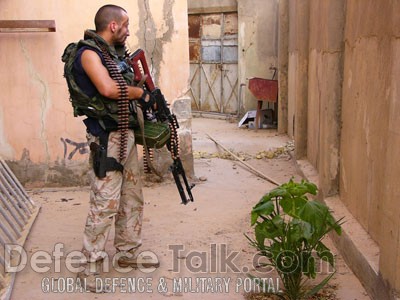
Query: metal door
[213, 47]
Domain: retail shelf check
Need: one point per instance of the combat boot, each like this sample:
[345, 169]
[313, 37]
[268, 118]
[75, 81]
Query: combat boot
[90, 278]
[145, 259]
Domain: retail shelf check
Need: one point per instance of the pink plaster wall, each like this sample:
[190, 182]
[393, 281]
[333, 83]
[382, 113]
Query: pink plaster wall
[37, 127]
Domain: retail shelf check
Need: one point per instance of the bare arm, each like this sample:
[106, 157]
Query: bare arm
[101, 79]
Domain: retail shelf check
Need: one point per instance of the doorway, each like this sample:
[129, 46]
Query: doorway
[213, 52]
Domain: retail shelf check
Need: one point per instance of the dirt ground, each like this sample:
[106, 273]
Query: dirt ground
[201, 246]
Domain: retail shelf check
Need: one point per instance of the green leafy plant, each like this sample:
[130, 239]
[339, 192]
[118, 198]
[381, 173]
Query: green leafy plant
[289, 229]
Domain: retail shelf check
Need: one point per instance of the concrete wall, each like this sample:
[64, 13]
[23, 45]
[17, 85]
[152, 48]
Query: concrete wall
[38, 134]
[258, 43]
[298, 74]
[370, 135]
[343, 108]
[325, 72]
[283, 67]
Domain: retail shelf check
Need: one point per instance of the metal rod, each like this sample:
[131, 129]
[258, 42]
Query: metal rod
[13, 188]
[10, 199]
[10, 209]
[18, 183]
[7, 233]
[8, 219]
[246, 164]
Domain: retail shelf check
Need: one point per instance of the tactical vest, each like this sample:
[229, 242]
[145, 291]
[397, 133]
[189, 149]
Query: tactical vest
[99, 107]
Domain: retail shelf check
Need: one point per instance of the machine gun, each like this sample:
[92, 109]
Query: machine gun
[137, 61]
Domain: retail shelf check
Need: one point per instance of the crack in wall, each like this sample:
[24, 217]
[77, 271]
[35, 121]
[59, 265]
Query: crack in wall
[147, 34]
[354, 43]
[43, 99]
[169, 20]
[248, 43]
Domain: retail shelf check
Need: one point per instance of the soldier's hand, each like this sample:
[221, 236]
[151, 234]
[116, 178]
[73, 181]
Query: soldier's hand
[147, 100]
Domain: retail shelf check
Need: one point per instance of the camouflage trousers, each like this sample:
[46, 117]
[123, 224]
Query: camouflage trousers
[116, 198]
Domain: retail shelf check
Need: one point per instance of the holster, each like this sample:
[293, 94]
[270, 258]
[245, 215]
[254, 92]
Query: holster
[102, 163]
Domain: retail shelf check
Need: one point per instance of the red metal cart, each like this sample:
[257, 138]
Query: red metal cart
[263, 90]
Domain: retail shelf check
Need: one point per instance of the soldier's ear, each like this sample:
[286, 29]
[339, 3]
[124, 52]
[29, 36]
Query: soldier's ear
[113, 26]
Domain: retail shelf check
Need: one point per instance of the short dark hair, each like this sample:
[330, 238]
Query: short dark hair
[106, 14]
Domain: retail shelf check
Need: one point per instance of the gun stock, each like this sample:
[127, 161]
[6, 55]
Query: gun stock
[137, 61]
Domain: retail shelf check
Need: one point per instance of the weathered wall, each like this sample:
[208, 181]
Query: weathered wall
[368, 165]
[38, 133]
[258, 43]
[388, 203]
[298, 74]
[324, 90]
[343, 114]
[283, 66]
[211, 6]
[366, 99]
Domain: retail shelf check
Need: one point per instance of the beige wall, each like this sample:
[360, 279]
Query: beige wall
[38, 133]
[258, 43]
[283, 68]
[368, 166]
[325, 71]
[345, 119]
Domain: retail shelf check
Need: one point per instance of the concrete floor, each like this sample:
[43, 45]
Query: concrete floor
[216, 220]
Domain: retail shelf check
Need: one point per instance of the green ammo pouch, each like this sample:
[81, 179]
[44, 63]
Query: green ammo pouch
[156, 134]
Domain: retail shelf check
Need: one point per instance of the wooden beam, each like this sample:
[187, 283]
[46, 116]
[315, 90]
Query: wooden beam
[10, 26]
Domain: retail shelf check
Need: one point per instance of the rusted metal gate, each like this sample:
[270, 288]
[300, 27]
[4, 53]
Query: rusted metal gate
[17, 214]
[213, 48]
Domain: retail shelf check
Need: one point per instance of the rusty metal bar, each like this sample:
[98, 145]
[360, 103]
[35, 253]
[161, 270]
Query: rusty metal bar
[15, 26]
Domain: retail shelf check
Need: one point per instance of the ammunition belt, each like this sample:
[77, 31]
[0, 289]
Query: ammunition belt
[174, 146]
[123, 102]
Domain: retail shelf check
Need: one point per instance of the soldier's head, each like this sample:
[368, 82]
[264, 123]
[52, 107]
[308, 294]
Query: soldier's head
[112, 22]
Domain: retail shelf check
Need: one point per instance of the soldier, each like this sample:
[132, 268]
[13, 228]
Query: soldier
[116, 190]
